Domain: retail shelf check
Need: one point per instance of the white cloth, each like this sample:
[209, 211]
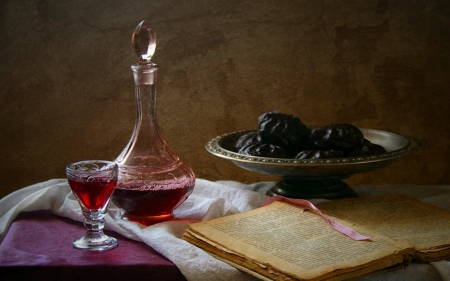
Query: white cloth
[209, 200]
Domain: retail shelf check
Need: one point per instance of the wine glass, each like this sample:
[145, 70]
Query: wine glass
[93, 182]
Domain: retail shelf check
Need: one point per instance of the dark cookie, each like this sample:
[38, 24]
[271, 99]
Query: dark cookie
[252, 137]
[283, 130]
[341, 137]
[319, 154]
[367, 148]
[263, 150]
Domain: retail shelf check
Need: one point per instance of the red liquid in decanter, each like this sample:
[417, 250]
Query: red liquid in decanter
[149, 196]
[151, 205]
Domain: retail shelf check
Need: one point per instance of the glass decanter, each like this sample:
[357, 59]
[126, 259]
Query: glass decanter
[153, 181]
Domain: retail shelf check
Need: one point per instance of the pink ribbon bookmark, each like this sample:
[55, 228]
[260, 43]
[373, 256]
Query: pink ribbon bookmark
[334, 224]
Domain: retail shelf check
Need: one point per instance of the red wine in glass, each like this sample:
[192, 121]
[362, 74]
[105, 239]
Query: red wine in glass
[93, 193]
[93, 182]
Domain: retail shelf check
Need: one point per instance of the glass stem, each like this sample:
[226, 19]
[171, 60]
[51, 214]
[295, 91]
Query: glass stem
[94, 223]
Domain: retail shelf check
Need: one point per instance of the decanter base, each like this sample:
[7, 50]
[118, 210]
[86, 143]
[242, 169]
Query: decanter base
[149, 220]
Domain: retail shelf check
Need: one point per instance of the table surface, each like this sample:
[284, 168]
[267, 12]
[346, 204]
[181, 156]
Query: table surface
[39, 244]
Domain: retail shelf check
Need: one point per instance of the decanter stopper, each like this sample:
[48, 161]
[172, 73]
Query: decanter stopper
[144, 41]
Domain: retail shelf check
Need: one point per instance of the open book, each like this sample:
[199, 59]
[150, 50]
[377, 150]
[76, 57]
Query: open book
[283, 241]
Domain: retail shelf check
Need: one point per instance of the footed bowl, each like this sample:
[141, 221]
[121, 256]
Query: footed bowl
[315, 178]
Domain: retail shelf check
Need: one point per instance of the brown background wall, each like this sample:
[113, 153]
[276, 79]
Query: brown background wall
[66, 89]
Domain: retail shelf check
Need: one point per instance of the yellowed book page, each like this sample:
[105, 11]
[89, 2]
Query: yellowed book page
[294, 241]
[265, 271]
[423, 225]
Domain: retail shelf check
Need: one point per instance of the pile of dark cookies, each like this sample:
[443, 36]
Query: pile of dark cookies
[280, 135]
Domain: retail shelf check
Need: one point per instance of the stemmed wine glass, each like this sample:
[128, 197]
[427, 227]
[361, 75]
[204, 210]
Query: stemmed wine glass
[93, 182]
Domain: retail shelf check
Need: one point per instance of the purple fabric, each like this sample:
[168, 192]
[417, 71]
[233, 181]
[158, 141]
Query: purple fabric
[38, 244]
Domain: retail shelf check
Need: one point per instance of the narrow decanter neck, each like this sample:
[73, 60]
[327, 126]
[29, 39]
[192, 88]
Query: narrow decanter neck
[146, 148]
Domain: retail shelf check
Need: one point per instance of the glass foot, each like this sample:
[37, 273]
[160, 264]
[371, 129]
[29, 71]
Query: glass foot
[102, 243]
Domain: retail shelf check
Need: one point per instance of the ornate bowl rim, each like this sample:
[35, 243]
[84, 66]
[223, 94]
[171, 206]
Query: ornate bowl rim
[214, 146]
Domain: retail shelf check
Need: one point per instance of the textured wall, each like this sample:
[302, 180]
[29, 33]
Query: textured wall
[66, 89]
